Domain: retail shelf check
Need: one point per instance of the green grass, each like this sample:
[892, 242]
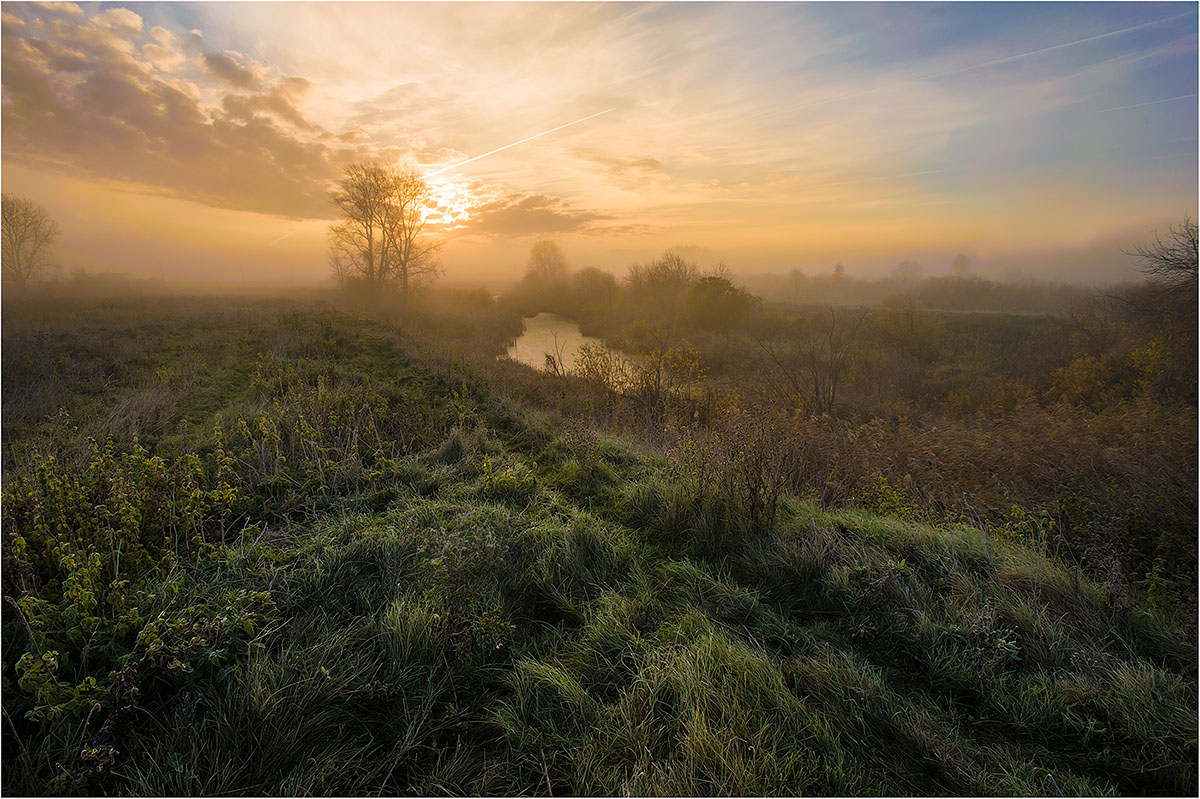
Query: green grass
[339, 565]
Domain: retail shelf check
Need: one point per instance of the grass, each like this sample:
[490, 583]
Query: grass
[1074, 431]
[338, 564]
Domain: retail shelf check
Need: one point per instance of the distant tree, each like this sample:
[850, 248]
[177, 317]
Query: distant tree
[715, 303]
[546, 262]
[546, 284]
[839, 270]
[907, 270]
[660, 286]
[28, 235]
[380, 242]
[594, 288]
[696, 254]
[961, 265]
[404, 226]
[723, 270]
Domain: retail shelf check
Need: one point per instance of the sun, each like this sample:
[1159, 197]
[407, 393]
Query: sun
[451, 202]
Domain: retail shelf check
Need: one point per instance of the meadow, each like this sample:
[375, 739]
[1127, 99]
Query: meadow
[1072, 431]
[283, 547]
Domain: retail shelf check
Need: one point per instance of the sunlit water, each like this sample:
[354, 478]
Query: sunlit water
[549, 333]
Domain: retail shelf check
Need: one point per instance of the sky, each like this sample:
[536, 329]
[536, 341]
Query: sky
[201, 140]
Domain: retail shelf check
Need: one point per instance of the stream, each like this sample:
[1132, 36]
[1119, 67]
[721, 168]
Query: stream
[549, 333]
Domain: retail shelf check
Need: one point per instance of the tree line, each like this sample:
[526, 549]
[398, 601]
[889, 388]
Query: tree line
[381, 243]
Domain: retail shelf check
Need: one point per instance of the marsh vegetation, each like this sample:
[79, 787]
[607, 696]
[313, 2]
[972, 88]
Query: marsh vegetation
[278, 546]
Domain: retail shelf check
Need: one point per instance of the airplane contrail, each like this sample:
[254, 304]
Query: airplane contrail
[1152, 102]
[284, 236]
[1006, 59]
[1053, 47]
[514, 144]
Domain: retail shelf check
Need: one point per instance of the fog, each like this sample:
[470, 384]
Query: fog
[599, 399]
[123, 230]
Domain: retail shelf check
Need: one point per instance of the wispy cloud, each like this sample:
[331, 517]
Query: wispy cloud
[531, 215]
[781, 127]
[1151, 102]
[1043, 50]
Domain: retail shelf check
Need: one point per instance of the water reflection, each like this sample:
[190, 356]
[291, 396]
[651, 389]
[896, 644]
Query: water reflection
[549, 333]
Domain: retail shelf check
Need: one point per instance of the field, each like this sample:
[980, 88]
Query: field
[278, 547]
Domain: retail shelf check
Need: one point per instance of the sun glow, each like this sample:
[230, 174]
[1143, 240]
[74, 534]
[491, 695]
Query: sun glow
[451, 203]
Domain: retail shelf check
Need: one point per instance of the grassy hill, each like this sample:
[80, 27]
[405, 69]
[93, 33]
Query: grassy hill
[273, 548]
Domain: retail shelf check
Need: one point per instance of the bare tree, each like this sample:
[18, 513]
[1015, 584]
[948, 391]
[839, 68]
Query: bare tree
[405, 225]
[1170, 293]
[806, 373]
[1171, 262]
[28, 235]
[381, 240]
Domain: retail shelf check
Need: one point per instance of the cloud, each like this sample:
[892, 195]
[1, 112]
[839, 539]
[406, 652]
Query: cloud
[121, 19]
[293, 87]
[102, 98]
[163, 53]
[1074, 43]
[59, 9]
[627, 173]
[530, 215]
[441, 156]
[81, 98]
[225, 67]
[275, 103]
[766, 123]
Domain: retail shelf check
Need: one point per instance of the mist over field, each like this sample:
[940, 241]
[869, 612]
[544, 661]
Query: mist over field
[665, 399]
[200, 142]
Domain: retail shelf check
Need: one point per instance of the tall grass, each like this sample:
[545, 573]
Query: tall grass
[358, 569]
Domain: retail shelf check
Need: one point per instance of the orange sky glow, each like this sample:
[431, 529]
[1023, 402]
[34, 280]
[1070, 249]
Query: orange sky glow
[200, 141]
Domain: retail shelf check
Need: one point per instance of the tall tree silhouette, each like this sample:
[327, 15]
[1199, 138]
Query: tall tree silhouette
[381, 242]
[28, 238]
